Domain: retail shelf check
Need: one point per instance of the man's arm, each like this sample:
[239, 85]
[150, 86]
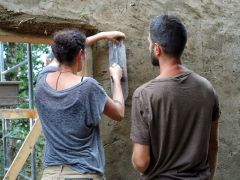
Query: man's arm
[140, 134]
[140, 157]
[109, 35]
[213, 147]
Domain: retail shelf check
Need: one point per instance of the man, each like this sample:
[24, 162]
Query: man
[174, 116]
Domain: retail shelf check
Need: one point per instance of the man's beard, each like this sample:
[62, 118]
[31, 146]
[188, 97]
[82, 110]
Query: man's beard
[154, 59]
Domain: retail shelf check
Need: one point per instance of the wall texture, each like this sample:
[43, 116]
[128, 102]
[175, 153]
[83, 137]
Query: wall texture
[212, 51]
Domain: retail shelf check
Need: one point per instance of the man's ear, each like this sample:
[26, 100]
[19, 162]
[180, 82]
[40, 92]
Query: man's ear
[157, 49]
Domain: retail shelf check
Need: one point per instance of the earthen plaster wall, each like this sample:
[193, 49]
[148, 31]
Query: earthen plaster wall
[212, 51]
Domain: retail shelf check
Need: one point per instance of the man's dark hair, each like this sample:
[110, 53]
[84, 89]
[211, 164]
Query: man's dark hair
[169, 33]
[67, 44]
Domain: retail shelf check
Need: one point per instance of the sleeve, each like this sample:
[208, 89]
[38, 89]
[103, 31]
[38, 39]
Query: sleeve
[216, 109]
[139, 127]
[46, 70]
[98, 98]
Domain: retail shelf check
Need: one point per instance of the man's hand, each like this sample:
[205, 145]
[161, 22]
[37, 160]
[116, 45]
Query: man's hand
[116, 72]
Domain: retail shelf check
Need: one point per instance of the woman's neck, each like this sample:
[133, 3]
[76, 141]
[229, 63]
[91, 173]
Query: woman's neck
[64, 68]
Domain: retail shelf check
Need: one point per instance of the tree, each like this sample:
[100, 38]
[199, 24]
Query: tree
[15, 53]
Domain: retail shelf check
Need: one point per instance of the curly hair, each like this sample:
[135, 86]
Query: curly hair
[67, 44]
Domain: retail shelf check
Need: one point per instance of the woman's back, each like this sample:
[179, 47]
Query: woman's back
[65, 80]
[70, 121]
[70, 108]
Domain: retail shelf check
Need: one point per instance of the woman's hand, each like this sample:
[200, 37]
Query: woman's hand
[115, 108]
[114, 36]
[116, 72]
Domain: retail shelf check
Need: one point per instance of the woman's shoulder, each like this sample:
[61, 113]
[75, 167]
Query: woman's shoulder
[46, 70]
[93, 84]
[92, 81]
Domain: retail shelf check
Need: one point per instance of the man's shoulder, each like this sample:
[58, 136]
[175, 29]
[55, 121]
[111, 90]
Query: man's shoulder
[142, 89]
[202, 80]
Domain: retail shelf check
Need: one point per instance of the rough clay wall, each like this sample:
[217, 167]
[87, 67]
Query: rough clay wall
[212, 51]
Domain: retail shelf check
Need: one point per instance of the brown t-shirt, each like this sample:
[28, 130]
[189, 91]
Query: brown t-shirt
[173, 116]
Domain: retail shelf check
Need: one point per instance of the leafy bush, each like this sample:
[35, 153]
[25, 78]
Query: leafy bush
[13, 54]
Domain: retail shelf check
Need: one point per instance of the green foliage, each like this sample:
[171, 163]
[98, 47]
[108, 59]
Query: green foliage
[15, 53]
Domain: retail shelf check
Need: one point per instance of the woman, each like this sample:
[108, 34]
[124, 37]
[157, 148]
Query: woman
[70, 109]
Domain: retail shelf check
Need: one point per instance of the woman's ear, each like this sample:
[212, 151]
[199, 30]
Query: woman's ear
[82, 54]
[79, 55]
[80, 61]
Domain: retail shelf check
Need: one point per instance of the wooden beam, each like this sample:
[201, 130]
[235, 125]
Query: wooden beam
[17, 113]
[88, 66]
[24, 152]
[8, 36]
